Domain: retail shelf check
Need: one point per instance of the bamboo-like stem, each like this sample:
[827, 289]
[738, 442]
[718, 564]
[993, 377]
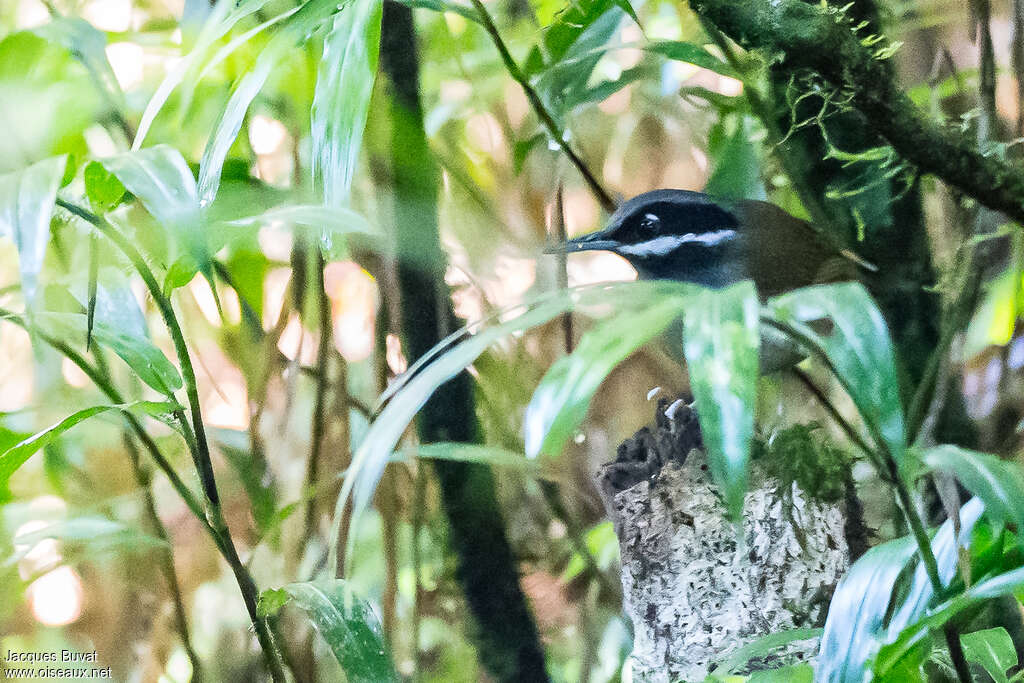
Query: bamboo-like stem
[607, 203]
[196, 438]
[320, 401]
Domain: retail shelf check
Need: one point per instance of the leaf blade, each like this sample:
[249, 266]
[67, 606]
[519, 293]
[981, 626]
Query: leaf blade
[721, 343]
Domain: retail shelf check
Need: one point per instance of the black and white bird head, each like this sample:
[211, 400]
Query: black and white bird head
[671, 235]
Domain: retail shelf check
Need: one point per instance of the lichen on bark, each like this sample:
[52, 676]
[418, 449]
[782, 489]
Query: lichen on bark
[696, 589]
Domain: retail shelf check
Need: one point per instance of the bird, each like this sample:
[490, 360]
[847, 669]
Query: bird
[688, 236]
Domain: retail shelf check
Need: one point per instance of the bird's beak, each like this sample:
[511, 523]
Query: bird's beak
[595, 241]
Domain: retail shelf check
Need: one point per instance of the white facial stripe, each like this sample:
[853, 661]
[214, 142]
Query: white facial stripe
[666, 244]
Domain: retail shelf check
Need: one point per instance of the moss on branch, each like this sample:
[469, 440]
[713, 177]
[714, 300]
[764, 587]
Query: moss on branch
[824, 40]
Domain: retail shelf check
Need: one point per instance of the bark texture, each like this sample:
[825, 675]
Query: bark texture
[695, 589]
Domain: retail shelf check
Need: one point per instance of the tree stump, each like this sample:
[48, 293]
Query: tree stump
[696, 586]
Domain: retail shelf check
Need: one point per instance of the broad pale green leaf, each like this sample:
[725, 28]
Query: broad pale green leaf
[26, 205]
[348, 625]
[141, 355]
[721, 340]
[1000, 484]
[857, 611]
[225, 14]
[561, 401]
[859, 349]
[864, 613]
[946, 549]
[96, 532]
[163, 182]
[342, 97]
[17, 455]
[292, 32]
[993, 650]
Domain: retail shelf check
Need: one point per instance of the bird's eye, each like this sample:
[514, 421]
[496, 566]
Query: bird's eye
[650, 223]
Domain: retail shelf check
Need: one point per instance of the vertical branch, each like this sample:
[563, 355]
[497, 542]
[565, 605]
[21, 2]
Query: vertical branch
[506, 636]
[1017, 60]
[320, 401]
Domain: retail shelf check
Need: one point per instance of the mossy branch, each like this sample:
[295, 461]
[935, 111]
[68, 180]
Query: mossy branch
[824, 40]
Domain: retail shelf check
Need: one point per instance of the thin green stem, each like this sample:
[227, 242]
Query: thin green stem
[320, 401]
[103, 382]
[198, 442]
[607, 203]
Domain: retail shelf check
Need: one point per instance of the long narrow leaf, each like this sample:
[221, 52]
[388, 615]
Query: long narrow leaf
[563, 397]
[721, 343]
[998, 483]
[293, 31]
[18, 455]
[859, 348]
[225, 14]
[26, 205]
[342, 97]
[348, 625]
[141, 355]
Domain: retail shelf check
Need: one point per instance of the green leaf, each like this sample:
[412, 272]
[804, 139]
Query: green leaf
[721, 340]
[26, 205]
[1000, 484]
[794, 673]
[338, 221]
[138, 352]
[859, 349]
[163, 182]
[867, 612]
[993, 587]
[737, 172]
[342, 97]
[18, 455]
[474, 453]
[765, 645]
[691, 54]
[102, 187]
[348, 625]
[272, 601]
[225, 14]
[98, 533]
[571, 23]
[946, 548]
[295, 30]
[561, 401]
[993, 650]
[88, 44]
[857, 611]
